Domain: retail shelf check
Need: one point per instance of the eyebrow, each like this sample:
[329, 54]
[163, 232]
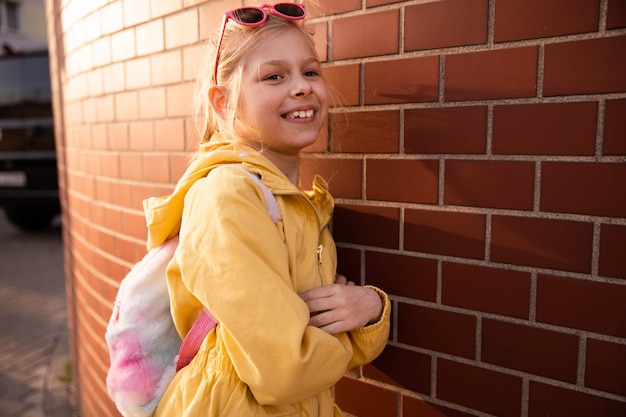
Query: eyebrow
[280, 62]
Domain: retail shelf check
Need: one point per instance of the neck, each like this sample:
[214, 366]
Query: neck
[289, 164]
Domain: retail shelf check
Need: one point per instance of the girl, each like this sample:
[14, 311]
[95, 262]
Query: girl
[288, 328]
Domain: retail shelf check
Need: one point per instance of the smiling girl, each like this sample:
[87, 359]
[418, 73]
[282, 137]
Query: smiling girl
[289, 327]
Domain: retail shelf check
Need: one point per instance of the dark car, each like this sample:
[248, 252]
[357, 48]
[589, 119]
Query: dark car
[29, 186]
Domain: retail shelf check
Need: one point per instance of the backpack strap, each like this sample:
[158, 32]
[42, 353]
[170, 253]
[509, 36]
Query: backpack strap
[205, 321]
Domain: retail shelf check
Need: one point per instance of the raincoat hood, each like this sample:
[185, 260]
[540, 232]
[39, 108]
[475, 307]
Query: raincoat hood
[163, 214]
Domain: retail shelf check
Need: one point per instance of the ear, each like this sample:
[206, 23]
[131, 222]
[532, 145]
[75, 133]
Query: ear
[217, 98]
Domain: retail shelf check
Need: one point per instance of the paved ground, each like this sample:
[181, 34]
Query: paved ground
[35, 370]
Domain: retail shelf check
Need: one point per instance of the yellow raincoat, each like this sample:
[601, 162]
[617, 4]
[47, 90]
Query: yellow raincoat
[262, 359]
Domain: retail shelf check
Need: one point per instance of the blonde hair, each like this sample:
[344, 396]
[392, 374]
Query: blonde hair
[238, 42]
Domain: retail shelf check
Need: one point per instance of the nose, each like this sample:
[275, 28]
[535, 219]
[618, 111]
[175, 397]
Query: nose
[301, 87]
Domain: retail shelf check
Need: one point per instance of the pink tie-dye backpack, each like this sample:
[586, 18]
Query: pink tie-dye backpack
[144, 346]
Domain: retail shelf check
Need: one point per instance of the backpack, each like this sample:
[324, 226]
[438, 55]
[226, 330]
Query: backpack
[144, 346]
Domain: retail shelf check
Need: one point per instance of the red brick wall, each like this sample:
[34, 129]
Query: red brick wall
[477, 154]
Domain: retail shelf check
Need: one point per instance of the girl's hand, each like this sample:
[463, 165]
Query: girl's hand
[342, 306]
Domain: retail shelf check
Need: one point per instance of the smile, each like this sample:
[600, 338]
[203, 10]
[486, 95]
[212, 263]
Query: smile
[300, 114]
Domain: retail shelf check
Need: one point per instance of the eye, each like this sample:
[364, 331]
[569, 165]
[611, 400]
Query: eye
[311, 73]
[273, 77]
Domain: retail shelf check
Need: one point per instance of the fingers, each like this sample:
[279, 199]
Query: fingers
[340, 279]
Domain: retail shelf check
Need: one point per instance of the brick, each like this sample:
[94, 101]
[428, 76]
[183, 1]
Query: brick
[473, 287]
[612, 244]
[353, 37]
[327, 8]
[110, 164]
[343, 84]
[374, 3]
[477, 388]
[127, 106]
[100, 52]
[180, 98]
[138, 73]
[445, 233]
[95, 84]
[585, 67]
[121, 195]
[142, 136]
[320, 144]
[409, 181]
[320, 40]
[156, 168]
[131, 166]
[169, 135]
[494, 184]
[547, 400]
[136, 11]
[556, 129]
[163, 7]
[411, 80]
[152, 103]
[366, 132]
[593, 306]
[113, 219]
[349, 264]
[110, 15]
[192, 62]
[114, 80]
[402, 368]
[605, 366]
[375, 226]
[211, 16]
[517, 20]
[92, 26]
[166, 68]
[448, 130]
[181, 29]
[616, 14]
[344, 176]
[150, 37]
[103, 191]
[531, 350]
[140, 193]
[123, 45]
[544, 243]
[118, 136]
[360, 398]
[598, 188]
[446, 23]
[614, 128]
[134, 225]
[405, 276]
[503, 73]
[105, 109]
[418, 407]
[437, 330]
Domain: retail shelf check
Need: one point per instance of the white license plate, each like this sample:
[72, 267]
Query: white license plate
[13, 179]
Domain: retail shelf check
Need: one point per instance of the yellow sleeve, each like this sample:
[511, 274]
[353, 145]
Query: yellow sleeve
[369, 341]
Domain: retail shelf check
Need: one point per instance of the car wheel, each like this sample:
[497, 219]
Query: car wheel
[29, 218]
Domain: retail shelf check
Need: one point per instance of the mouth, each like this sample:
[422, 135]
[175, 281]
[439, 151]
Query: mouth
[300, 114]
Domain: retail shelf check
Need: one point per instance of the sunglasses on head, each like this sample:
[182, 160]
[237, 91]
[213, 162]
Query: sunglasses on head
[255, 16]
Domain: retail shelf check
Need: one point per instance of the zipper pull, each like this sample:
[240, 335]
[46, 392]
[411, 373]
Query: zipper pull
[319, 254]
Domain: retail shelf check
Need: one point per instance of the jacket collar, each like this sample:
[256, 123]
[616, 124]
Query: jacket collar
[163, 214]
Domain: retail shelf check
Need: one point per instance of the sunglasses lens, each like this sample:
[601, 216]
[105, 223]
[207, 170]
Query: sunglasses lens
[248, 15]
[289, 9]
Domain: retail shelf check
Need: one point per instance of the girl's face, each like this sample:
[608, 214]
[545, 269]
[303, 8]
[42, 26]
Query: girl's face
[284, 99]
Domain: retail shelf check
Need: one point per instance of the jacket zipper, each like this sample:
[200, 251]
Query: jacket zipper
[319, 250]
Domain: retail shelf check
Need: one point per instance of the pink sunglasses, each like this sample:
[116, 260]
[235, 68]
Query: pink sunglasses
[256, 16]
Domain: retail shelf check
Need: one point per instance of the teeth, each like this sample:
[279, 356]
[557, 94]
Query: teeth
[302, 114]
